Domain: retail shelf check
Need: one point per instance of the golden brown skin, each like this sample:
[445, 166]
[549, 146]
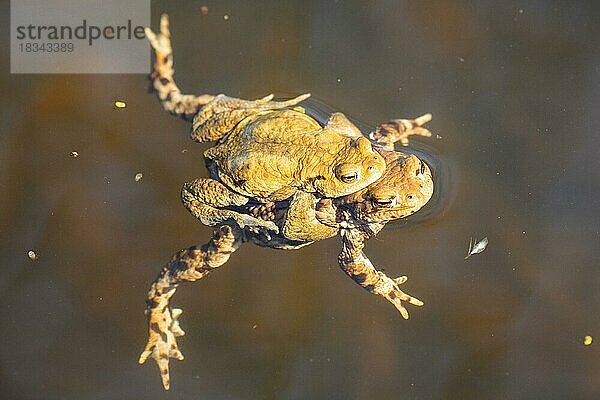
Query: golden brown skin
[404, 187]
[272, 153]
[265, 151]
[270, 156]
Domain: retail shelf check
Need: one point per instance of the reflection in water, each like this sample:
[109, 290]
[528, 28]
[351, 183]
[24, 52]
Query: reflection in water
[512, 89]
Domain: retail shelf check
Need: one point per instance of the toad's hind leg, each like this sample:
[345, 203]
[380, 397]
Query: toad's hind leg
[186, 266]
[171, 98]
[205, 198]
[354, 263]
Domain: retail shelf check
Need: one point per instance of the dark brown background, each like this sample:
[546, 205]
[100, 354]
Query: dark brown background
[514, 90]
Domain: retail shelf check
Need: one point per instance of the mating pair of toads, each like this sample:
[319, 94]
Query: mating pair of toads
[280, 179]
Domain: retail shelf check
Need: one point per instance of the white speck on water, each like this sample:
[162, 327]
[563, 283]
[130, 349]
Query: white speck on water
[74, 154]
[138, 176]
[31, 254]
[339, 80]
[461, 59]
[476, 247]
[225, 17]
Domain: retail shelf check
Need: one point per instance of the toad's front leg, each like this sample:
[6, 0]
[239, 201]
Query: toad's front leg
[186, 266]
[354, 262]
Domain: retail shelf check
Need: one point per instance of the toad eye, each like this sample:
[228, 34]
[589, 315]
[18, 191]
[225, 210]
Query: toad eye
[349, 178]
[347, 173]
[384, 203]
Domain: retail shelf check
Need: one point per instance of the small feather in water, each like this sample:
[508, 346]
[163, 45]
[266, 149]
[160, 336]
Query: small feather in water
[476, 247]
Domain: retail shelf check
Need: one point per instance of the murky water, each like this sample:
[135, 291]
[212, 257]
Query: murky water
[515, 92]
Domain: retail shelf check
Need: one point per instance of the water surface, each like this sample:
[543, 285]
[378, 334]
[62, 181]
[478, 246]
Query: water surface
[514, 91]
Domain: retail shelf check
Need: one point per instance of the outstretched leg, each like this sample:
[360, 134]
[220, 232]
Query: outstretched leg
[219, 114]
[186, 266]
[182, 105]
[354, 262]
[205, 198]
[398, 130]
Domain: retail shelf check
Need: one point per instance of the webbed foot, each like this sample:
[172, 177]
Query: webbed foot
[163, 329]
[161, 43]
[389, 288]
[399, 130]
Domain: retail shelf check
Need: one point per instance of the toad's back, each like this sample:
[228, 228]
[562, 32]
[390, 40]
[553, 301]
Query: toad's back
[273, 153]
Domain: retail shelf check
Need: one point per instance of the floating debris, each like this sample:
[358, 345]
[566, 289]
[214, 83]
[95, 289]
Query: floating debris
[138, 176]
[120, 104]
[73, 154]
[225, 17]
[204, 10]
[587, 340]
[31, 254]
[476, 247]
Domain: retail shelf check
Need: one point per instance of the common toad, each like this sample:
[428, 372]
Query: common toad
[404, 187]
